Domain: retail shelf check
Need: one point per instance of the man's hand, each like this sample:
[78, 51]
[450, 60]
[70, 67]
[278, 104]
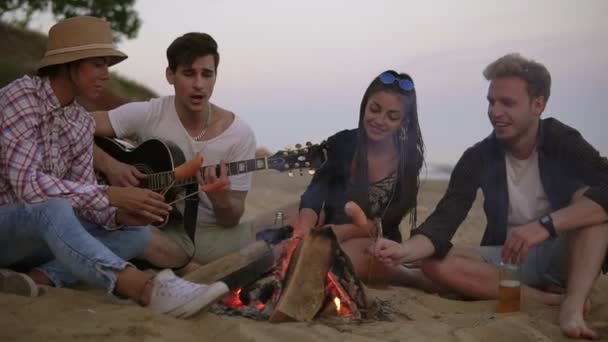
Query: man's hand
[139, 202]
[521, 239]
[390, 252]
[121, 174]
[217, 188]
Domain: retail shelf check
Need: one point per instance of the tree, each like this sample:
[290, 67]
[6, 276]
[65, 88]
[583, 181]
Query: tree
[119, 13]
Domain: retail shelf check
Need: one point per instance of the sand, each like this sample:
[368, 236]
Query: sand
[77, 315]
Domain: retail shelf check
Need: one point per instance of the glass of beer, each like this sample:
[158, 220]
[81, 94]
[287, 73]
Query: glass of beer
[376, 272]
[509, 288]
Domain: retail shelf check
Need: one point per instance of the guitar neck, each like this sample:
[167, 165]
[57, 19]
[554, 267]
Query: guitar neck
[163, 180]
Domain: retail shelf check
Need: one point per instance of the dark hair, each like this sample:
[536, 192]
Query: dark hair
[411, 149]
[51, 71]
[187, 48]
[56, 70]
[536, 75]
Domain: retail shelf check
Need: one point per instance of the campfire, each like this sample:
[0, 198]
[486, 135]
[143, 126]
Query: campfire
[312, 278]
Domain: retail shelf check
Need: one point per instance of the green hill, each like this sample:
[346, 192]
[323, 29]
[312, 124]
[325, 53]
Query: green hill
[22, 49]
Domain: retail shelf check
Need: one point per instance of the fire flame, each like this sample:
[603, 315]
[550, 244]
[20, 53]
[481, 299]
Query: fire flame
[233, 300]
[337, 302]
[341, 299]
[334, 289]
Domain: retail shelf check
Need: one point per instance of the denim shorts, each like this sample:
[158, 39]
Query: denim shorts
[545, 265]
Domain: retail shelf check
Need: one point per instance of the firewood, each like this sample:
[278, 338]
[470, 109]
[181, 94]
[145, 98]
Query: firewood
[303, 294]
[238, 269]
[304, 290]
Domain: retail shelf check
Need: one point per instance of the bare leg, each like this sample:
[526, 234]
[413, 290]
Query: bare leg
[163, 252]
[464, 271]
[40, 278]
[134, 284]
[130, 282]
[587, 251]
[358, 252]
[190, 267]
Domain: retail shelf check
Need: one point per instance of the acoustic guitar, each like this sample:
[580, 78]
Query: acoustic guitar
[158, 160]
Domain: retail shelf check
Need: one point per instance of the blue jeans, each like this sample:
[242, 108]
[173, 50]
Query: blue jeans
[50, 236]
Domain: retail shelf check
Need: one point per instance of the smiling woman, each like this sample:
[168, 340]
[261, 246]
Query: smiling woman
[376, 166]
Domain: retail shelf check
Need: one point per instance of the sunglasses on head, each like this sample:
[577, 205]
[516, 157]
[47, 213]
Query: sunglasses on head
[389, 78]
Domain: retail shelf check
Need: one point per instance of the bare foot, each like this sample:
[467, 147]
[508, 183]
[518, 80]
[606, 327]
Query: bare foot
[572, 323]
[587, 308]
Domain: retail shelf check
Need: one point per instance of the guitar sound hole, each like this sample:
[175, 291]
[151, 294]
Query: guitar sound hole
[143, 168]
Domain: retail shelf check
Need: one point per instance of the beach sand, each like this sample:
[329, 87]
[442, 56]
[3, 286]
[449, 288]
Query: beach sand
[76, 315]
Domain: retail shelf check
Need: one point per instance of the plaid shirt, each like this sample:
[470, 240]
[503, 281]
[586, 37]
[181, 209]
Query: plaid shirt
[46, 151]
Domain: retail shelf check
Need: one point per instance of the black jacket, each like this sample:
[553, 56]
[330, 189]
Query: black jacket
[566, 162]
[331, 188]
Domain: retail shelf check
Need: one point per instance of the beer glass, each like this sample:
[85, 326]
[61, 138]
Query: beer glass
[376, 271]
[509, 288]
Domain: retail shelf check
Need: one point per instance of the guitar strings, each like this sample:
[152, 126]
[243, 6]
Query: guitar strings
[168, 188]
[183, 198]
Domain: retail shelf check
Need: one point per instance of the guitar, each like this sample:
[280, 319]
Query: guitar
[158, 159]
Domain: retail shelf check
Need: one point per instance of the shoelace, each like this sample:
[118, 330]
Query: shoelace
[178, 288]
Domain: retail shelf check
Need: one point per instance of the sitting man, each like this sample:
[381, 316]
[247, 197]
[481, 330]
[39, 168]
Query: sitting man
[546, 202]
[189, 120]
[56, 222]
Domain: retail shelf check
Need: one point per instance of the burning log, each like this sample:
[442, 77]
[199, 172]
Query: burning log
[318, 272]
[238, 269]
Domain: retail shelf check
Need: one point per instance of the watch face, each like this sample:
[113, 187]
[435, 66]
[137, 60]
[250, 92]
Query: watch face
[545, 219]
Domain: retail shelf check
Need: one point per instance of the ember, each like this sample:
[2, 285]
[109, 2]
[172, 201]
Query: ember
[233, 299]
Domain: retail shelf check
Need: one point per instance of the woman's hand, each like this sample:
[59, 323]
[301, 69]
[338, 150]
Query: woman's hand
[121, 174]
[139, 202]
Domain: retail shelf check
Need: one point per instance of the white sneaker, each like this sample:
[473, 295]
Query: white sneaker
[17, 283]
[177, 297]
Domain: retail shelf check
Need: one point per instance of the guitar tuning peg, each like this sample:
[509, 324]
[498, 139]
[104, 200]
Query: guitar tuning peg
[311, 172]
[298, 146]
[301, 173]
[290, 174]
[308, 143]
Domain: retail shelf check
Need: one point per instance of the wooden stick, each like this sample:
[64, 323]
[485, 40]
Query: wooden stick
[238, 269]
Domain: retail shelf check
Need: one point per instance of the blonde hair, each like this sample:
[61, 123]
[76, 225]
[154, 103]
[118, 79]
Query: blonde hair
[536, 75]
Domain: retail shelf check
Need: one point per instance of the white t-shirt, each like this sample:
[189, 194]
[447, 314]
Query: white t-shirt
[157, 119]
[527, 198]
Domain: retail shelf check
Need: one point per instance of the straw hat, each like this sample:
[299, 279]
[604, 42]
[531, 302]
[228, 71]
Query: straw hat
[78, 38]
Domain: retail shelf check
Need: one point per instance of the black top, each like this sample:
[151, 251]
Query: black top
[331, 187]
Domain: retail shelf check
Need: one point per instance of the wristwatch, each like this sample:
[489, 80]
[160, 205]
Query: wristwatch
[547, 222]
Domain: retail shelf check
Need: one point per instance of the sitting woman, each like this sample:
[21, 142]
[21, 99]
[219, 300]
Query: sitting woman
[56, 222]
[377, 167]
